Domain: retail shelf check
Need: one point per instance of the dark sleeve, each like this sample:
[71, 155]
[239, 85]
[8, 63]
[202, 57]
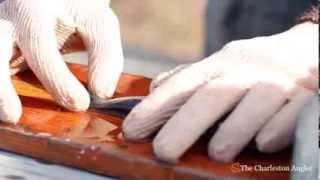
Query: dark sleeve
[314, 2]
[311, 15]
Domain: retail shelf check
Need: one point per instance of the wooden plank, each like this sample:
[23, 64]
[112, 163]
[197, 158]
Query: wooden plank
[93, 141]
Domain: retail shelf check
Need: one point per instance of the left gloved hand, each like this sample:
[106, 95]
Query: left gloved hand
[31, 25]
[264, 82]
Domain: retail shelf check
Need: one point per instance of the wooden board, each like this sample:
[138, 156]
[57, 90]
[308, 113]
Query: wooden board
[93, 141]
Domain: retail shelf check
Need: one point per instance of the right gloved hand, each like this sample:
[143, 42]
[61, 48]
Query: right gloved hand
[263, 82]
[31, 24]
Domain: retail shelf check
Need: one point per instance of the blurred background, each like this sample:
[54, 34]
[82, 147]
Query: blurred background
[160, 34]
[157, 35]
[169, 27]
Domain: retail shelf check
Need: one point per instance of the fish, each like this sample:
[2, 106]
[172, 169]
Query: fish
[120, 106]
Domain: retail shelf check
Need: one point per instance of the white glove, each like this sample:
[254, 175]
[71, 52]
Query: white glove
[263, 82]
[31, 24]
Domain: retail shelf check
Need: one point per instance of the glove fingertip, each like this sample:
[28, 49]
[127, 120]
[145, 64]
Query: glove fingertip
[102, 91]
[220, 153]
[134, 127]
[270, 144]
[11, 115]
[129, 132]
[77, 102]
[164, 152]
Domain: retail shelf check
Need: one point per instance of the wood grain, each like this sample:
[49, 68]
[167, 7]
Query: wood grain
[93, 141]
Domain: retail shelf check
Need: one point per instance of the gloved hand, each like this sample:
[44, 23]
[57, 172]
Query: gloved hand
[31, 24]
[263, 82]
